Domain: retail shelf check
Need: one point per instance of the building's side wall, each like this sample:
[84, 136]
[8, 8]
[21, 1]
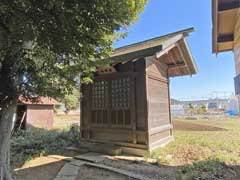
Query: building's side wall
[134, 134]
[237, 43]
[159, 120]
[237, 56]
[39, 116]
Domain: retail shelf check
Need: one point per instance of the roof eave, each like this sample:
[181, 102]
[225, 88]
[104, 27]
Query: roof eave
[192, 60]
[214, 21]
[219, 11]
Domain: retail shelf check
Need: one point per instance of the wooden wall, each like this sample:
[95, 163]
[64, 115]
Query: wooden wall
[159, 120]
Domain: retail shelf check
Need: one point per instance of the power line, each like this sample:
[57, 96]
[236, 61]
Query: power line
[214, 95]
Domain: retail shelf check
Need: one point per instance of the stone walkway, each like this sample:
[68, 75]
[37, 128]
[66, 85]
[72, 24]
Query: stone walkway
[70, 171]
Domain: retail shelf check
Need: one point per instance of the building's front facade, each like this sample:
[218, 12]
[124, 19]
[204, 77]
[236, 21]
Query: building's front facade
[226, 31]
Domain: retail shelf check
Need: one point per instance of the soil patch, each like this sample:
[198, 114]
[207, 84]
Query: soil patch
[91, 173]
[40, 168]
[145, 169]
[186, 126]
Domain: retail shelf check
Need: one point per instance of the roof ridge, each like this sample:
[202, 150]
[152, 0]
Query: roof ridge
[188, 30]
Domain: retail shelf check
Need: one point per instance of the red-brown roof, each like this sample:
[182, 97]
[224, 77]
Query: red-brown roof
[39, 101]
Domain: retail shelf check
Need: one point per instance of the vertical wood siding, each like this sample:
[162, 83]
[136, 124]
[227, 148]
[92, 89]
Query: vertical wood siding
[159, 123]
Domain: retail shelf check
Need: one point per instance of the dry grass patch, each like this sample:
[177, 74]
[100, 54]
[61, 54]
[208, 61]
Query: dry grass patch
[204, 147]
[62, 121]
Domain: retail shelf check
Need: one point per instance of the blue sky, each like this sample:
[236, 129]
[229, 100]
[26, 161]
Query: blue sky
[161, 17]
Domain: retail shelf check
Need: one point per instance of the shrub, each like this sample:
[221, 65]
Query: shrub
[37, 142]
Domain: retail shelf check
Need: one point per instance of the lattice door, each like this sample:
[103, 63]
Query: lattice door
[120, 102]
[111, 102]
[99, 102]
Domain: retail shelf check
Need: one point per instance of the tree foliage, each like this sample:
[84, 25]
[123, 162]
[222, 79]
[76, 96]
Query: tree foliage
[71, 101]
[46, 44]
[202, 109]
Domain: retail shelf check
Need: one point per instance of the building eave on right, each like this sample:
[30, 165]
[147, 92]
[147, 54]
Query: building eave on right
[224, 16]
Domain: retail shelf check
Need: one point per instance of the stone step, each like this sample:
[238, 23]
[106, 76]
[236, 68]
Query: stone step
[108, 149]
[91, 157]
[103, 148]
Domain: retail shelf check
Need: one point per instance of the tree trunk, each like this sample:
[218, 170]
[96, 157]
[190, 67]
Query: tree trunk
[6, 122]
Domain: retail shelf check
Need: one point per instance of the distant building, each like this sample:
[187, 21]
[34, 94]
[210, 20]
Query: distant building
[35, 114]
[233, 106]
[177, 110]
[209, 103]
[181, 107]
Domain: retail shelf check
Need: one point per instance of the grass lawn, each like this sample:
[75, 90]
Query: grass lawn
[204, 148]
[62, 121]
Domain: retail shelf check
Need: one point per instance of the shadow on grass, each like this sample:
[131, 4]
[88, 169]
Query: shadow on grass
[187, 126]
[39, 142]
[211, 169]
[45, 171]
[203, 170]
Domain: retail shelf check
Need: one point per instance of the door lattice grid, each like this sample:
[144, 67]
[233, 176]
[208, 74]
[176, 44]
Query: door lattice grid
[120, 93]
[99, 92]
[99, 102]
[111, 102]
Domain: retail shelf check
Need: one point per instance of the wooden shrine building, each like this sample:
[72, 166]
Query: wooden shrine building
[128, 104]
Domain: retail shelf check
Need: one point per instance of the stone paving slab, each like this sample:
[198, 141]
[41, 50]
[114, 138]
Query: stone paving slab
[77, 162]
[65, 178]
[68, 172]
[91, 157]
[77, 149]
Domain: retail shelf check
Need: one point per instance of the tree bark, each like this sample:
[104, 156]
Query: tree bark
[6, 122]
